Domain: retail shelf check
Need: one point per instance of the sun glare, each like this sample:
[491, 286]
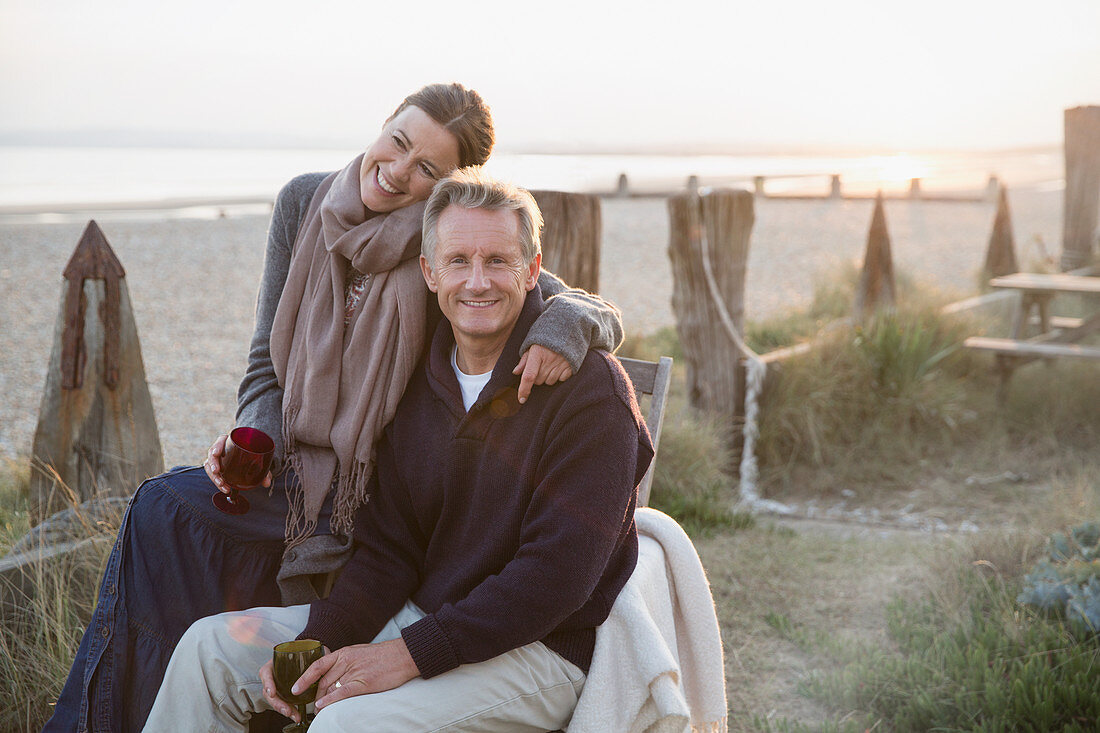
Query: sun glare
[896, 169]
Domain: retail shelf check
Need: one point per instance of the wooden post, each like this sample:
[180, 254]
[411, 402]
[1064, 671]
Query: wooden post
[622, 188]
[876, 281]
[992, 188]
[758, 186]
[571, 237]
[96, 433]
[834, 187]
[725, 217]
[1082, 193]
[1000, 256]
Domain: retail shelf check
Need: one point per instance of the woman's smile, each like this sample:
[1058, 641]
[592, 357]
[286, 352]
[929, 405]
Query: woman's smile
[386, 185]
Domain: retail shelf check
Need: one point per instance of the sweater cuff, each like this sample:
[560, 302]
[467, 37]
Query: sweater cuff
[327, 627]
[429, 647]
[561, 333]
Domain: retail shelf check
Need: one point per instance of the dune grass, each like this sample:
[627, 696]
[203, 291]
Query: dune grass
[39, 636]
[14, 508]
[37, 645]
[693, 481]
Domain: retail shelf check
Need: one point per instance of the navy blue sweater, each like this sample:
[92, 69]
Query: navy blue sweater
[507, 525]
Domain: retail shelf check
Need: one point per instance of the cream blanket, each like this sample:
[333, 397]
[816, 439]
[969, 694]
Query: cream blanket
[657, 665]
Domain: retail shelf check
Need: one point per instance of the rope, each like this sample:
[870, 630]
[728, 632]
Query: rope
[755, 370]
[716, 296]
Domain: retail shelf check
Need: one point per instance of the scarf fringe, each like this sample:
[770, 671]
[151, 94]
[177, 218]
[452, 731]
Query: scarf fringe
[714, 726]
[351, 493]
[298, 525]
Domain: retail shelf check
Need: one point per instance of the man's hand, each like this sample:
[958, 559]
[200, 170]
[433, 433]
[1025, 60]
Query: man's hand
[356, 670]
[540, 365]
[279, 705]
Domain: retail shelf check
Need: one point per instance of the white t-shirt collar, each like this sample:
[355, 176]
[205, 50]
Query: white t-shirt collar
[471, 384]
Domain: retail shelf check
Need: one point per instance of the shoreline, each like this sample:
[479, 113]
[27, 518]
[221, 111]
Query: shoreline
[201, 206]
[193, 283]
[122, 206]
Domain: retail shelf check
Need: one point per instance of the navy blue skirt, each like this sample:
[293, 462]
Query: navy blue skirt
[177, 559]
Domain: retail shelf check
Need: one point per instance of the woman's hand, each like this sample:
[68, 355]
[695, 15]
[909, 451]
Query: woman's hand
[540, 365]
[213, 465]
[353, 670]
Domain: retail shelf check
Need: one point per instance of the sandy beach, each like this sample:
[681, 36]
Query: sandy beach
[193, 283]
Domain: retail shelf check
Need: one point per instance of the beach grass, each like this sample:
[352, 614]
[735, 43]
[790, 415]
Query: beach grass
[15, 518]
[38, 643]
[693, 481]
[54, 599]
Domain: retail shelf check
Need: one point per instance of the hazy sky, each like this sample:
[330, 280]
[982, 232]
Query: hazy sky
[925, 74]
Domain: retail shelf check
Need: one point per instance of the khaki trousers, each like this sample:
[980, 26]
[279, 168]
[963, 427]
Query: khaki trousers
[212, 684]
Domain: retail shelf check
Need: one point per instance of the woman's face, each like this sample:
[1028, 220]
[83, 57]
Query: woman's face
[404, 163]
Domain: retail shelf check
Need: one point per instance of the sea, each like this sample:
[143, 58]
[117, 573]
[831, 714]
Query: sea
[57, 183]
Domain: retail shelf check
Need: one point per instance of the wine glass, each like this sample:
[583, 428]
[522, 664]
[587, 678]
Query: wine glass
[245, 462]
[290, 660]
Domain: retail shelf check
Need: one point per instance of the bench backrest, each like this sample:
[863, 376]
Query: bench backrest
[650, 378]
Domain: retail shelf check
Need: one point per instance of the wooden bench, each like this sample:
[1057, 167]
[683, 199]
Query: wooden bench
[1036, 349]
[1059, 322]
[1054, 336]
[650, 378]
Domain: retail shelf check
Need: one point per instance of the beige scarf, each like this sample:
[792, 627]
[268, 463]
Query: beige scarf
[342, 385]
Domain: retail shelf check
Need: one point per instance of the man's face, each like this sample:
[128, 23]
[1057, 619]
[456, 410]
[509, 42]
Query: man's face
[479, 274]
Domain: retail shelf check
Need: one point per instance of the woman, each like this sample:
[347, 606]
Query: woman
[341, 319]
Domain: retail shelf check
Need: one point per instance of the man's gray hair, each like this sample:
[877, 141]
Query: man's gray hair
[472, 188]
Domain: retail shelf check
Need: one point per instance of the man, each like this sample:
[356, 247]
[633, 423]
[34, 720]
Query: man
[497, 535]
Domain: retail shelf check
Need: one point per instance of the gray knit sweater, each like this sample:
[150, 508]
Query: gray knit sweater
[574, 320]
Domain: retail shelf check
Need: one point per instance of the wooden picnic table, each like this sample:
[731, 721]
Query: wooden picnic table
[1053, 336]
